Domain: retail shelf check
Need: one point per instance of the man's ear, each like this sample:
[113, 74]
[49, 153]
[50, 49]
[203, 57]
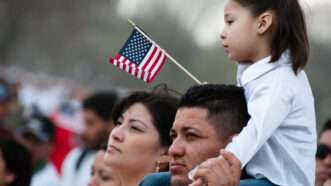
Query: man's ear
[265, 21]
[9, 177]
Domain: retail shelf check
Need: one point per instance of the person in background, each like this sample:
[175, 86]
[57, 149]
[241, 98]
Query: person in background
[5, 130]
[102, 174]
[97, 111]
[323, 155]
[15, 164]
[139, 143]
[38, 137]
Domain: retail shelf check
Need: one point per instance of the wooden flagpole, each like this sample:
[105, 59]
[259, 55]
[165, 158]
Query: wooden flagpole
[169, 56]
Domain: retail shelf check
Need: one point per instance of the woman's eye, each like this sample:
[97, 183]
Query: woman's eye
[136, 128]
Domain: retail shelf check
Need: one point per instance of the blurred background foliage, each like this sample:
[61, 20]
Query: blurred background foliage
[73, 39]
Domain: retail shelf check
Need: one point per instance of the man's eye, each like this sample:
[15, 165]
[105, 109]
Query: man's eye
[118, 123]
[173, 136]
[191, 136]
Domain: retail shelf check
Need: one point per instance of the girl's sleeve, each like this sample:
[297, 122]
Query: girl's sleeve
[268, 105]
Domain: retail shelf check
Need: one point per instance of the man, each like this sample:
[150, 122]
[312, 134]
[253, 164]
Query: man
[207, 118]
[38, 136]
[98, 124]
[5, 130]
[323, 155]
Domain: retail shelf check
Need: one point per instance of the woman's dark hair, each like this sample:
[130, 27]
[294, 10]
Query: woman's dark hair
[17, 161]
[162, 108]
[291, 31]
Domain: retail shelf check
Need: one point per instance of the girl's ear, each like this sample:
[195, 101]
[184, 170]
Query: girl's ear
[265, 21]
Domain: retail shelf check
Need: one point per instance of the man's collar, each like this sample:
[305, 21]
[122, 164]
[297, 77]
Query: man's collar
[249, 72]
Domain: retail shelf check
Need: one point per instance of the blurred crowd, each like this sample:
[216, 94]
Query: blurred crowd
[50, 136]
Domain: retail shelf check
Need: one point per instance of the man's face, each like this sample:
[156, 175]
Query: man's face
[194, 140]
[96, 130]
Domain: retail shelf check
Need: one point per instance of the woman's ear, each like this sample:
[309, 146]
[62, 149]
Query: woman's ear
[265, 21]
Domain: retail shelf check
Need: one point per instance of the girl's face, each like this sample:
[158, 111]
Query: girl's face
[239, 35]
[134, 143]
[102, 175]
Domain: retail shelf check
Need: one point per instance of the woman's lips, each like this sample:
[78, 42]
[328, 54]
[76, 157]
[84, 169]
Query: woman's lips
[112, 148]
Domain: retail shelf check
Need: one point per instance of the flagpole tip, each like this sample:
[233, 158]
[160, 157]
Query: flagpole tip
[131, 22]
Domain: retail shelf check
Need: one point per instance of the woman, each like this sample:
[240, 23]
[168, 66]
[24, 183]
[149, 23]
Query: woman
[140, 140]
[102, 174]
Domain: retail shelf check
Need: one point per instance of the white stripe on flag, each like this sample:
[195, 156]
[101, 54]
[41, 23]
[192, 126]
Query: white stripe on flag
[146, 76]
[152, 61]
[157, 66]
[127, 65]
[140, 74]
[147, 56]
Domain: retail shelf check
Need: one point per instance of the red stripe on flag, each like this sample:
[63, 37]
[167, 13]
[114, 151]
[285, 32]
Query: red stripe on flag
[157, 71]
[150, 58]
[155, 61]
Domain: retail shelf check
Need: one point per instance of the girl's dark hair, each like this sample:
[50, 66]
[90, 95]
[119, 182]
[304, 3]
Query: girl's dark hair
[291, 31]
[17, 161]
[162, 108]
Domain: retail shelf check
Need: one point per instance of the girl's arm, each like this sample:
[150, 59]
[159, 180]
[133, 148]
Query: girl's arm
[268, 106]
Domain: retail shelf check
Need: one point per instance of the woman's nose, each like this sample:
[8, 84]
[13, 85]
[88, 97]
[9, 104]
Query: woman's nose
[117, 134]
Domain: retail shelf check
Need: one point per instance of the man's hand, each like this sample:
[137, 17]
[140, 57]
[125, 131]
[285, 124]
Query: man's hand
[220, 171]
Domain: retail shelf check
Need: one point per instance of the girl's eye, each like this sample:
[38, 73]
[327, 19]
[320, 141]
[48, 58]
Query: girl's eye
[229, 22]
[104, 178]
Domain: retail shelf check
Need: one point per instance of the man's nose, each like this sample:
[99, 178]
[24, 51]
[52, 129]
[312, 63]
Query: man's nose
[177, 148]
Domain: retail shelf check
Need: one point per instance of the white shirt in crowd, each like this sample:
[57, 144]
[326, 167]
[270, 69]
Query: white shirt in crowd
[279, 141]
[73, 177]
[47, 176]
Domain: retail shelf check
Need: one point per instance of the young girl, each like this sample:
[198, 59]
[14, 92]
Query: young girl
[268, 39]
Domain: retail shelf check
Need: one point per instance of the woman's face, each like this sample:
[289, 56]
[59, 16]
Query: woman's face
[134, 143]
[102, 175]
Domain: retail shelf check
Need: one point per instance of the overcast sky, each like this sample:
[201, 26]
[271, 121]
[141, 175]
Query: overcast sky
[204, 19]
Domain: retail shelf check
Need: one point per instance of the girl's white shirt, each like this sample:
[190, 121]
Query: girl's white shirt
[279, 141]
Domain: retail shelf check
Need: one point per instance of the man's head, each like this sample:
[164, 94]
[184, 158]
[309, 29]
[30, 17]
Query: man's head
[4, 99]
[323, 154]
[38, 136]
[207, 118]
[97, 111]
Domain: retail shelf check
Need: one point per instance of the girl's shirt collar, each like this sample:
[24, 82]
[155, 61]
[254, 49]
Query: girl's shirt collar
[249, 72]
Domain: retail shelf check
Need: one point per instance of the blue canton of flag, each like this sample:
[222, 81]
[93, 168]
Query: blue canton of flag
[140, 57]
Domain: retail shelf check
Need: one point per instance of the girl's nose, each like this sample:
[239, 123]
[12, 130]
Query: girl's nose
[223, 35]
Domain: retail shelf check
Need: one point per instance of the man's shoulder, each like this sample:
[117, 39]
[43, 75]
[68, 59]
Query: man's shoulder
[157, 179]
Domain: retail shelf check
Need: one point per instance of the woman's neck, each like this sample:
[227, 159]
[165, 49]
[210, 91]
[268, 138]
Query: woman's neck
[132, 178]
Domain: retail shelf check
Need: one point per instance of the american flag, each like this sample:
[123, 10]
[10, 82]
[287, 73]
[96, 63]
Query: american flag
[140, 57]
